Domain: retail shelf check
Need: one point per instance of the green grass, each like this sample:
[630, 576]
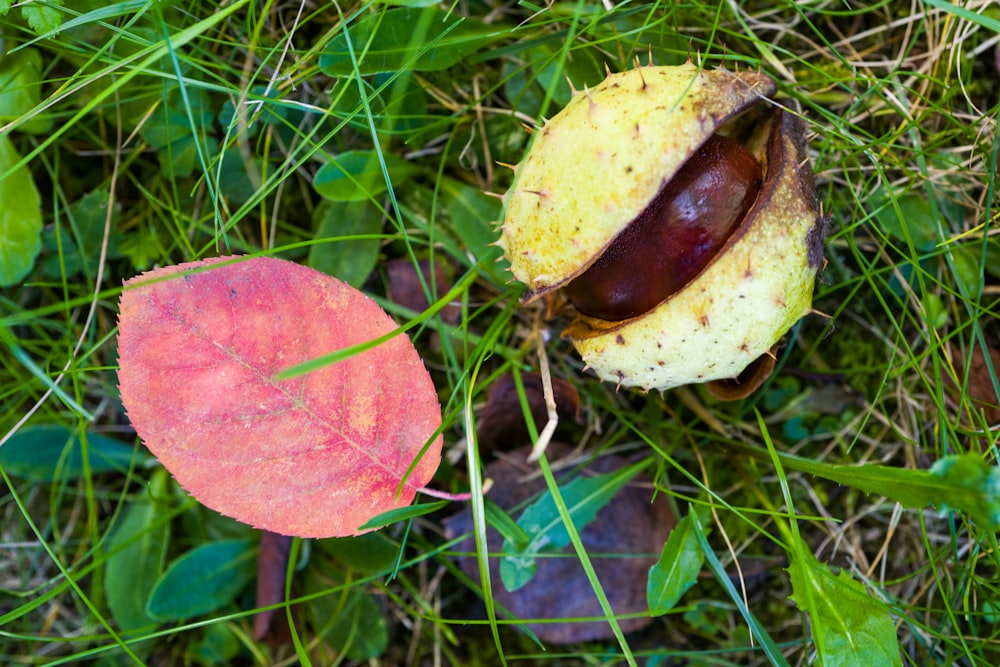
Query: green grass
[161, 133]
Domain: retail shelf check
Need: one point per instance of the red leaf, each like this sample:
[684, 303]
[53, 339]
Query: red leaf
[314, 456]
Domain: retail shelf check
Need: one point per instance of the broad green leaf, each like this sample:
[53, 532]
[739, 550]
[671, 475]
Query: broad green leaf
[848, 627]
[70, 262]
[219, 646]
[974, 488]
[389, 40]
[990, 614]
[137, 548]
[360, 629]
[235, 183]
[371, 553]
[21, 90]
[89, 215]
[906, 217]
[204, 579]
[967, 270]
[357, 175]
[348, 259]
[47, 452]
[677, 570]
[180, 157]
[42, 17]
[474, 217]
[177, 129]
[262, 106]
[965, 483]
[935, 309]
[81, 246]
[20, 217]
[544, 71]
[584, 498]
[173, 121]
[348, 618]
[209, 525]
[142, 247]
[396, 101]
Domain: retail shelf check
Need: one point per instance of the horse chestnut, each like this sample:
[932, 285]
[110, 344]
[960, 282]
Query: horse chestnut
[674, 237]
[674, 209]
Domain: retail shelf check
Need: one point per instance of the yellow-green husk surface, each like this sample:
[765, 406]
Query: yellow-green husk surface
[597, 164]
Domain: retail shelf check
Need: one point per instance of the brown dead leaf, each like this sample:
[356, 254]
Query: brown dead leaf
[272, 563]
[627, 526]
[404, 286]
[501, 423]
[980, 388]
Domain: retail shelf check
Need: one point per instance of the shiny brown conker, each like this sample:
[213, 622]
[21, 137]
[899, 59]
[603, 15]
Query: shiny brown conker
[596, 166]
[674, 237]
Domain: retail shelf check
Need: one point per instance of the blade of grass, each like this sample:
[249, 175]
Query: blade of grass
[478, 506]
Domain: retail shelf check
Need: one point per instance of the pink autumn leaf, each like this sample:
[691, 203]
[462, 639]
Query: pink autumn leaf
[200, 347]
